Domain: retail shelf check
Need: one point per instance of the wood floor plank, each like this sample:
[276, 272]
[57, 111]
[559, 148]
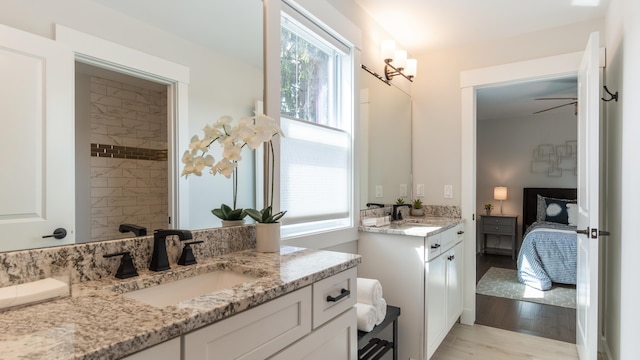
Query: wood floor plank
[480, 342]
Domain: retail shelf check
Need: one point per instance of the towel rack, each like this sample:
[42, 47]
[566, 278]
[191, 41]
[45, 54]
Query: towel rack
[372, 348]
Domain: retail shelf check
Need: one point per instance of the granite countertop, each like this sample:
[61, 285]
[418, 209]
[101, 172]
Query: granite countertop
[415, 226]
[97, 322]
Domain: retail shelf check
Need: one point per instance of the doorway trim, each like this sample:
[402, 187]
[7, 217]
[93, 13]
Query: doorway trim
[98, 52]
[471, 80]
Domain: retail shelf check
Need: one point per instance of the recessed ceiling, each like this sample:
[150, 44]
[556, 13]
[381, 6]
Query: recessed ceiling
[519, 100]
[421, 25]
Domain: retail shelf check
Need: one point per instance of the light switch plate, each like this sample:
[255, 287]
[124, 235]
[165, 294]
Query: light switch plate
[420, 190]
[403, 189]
[378, 191]
[448, 191]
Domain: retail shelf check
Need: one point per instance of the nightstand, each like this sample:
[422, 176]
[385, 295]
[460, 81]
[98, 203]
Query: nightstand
[500, 225]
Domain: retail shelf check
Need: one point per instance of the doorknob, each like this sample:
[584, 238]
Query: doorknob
[58, 233]
[594, 232]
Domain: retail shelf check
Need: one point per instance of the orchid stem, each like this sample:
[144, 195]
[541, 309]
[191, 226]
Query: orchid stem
[273, 165]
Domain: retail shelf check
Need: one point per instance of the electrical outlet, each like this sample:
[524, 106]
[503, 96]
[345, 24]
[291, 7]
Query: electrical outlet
[448, 191]
[378, 191]
[403, 189]
[420, 190]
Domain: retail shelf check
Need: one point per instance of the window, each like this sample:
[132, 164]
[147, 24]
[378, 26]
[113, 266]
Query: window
[316, 107]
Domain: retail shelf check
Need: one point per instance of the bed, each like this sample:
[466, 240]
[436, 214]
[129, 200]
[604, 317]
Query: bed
[548, 253]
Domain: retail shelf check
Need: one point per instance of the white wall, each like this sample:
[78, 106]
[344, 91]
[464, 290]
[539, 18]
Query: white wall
[219, 85]
[437, 104]
[623, 176]
[505, 151]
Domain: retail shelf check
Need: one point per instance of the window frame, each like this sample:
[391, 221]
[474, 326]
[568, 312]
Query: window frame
[327, 17]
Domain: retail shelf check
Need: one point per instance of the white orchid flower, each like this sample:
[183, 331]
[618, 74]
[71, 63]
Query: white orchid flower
[200, 162]
[231, 152]
[224, 167]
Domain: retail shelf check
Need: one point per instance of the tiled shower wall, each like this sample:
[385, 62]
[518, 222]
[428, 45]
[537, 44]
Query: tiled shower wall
[128, 158]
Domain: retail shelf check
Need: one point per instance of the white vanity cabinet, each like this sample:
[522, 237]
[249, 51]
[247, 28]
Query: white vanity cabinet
[274, 327]
[421, 275]
[169, 349]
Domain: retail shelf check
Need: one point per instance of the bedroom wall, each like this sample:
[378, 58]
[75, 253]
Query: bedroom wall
[504, 154]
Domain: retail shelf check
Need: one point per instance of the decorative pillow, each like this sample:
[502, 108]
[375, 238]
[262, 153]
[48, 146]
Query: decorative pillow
[572, 210]
[553, 210]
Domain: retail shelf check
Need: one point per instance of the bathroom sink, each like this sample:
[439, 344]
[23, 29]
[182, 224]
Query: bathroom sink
[174, 292]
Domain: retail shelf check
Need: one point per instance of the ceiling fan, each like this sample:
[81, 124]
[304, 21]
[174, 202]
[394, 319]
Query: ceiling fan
[574, 103]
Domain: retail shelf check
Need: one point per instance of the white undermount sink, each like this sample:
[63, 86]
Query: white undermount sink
[174, 292]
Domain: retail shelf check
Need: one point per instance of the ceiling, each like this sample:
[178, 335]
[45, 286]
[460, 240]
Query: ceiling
[519, 100]
[421, 25]
[201, 21]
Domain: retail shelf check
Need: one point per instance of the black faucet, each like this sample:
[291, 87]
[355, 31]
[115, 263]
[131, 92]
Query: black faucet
[397, 215]
[135, 229]
[159, 258]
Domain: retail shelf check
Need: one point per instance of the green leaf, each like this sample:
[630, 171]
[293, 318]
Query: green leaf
[226, 213]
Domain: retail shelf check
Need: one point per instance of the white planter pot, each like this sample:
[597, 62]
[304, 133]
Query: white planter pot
[226, 223]
[268, 237]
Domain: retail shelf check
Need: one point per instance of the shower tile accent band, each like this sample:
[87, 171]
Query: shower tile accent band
[127, 152]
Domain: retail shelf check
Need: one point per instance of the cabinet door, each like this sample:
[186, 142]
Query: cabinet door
[455, 273]
[337, 339]
[167, 350]
[253, 334]
[37, 142]
[436, 302]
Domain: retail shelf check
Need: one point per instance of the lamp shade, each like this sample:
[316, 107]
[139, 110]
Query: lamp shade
[388, 49]
[412, 67]
[400, 59]
[500, 193]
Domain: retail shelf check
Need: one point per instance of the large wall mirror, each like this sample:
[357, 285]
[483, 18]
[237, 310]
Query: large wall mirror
[220, 44]
[386, 137]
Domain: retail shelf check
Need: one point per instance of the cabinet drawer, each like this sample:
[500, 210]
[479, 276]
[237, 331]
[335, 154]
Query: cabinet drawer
[496, 220]
[335, 287]
[254, 333]
[497, 229]
[432, 247]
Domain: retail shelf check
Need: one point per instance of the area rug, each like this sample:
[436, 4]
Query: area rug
[504, 283]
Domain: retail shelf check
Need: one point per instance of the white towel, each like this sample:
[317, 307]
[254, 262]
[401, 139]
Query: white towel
[381, 311]
[369, 291]
[366, 315]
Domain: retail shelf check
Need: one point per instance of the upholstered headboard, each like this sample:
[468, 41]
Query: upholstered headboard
[530, 201]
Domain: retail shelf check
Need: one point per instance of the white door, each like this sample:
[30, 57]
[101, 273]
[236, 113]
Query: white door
[588, 195]
[37, 141]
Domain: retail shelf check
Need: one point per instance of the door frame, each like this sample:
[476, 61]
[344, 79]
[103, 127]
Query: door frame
[98, 52]
[518, 72]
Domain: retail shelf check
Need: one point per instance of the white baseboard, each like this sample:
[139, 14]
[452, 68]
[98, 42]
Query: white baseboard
[468, 317]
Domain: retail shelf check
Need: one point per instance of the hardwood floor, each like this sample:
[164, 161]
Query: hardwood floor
[552, 322]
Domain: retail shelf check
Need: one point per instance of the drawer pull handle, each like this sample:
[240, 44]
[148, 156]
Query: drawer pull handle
[435, 246]
[343, 294]
[451, 257]
[460, 232]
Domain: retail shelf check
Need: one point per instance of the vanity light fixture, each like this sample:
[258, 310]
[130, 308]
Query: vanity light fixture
[396, 62]
[500, 193]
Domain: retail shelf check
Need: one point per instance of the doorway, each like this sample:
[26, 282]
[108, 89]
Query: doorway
[513, 122]
[121, 153]
[546, 68]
